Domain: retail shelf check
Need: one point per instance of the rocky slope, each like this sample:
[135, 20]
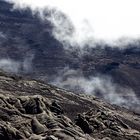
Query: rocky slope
[31, 109]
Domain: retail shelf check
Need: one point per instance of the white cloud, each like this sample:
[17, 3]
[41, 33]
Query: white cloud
[106, 20]
[101, 86]
[9, 65]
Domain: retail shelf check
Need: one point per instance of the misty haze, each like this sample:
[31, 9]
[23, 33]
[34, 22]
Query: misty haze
[68, 62]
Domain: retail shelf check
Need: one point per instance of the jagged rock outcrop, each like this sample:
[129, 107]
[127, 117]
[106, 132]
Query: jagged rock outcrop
[33, 110]
[102, 122]
[30, 117]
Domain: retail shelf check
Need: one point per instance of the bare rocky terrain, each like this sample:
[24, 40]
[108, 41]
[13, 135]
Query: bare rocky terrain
[33, 110]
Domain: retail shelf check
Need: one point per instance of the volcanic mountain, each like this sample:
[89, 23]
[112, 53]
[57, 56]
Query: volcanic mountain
[25, 38]
[33, 109]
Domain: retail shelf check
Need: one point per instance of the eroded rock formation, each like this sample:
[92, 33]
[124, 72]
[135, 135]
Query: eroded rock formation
[33, 110]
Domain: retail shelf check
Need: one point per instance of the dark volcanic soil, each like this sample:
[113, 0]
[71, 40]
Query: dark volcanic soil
[30, 109]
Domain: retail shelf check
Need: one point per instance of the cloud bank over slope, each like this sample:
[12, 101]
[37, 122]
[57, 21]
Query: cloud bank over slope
[101, 85]
[86, 24]
[90, 21]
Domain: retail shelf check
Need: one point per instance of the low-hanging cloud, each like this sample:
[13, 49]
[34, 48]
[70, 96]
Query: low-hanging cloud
[85, 22]
[9, 65]
[90, 21]
[12, 66]
[101, 86]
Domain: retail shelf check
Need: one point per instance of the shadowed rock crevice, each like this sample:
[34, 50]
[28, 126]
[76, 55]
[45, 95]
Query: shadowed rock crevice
[103, 122]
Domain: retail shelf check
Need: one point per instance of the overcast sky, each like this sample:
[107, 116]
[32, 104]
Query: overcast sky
[107, 20]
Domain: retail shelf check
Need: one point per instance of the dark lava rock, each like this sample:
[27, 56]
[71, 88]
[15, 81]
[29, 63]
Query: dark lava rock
[27, 36]
[83, 124]
[56, 108]
[33, 110]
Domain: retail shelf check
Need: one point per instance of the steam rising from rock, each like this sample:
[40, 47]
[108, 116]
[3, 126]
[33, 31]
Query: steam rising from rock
[87, 23]
[9, 65]
[101, 86]
[16, 67]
